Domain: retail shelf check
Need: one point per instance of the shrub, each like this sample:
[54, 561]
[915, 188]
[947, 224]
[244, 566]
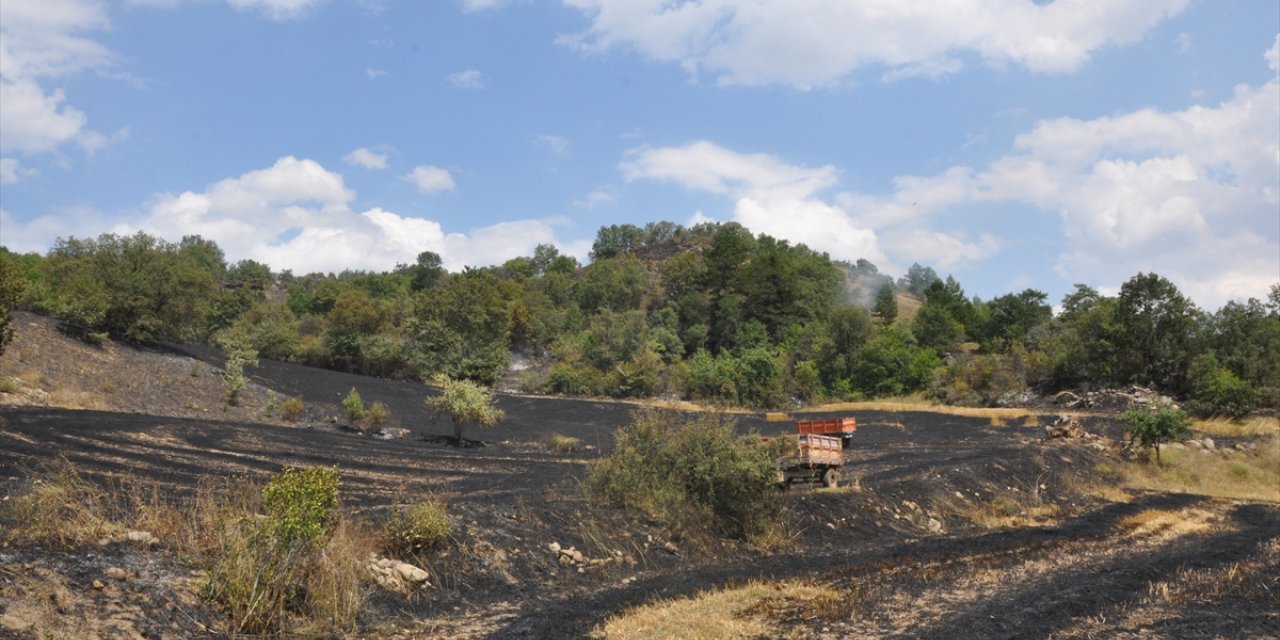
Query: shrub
[354, 406]
[1153, 424]
[291, 409]
[239, 355]
[378, 414]
[1219, 392]
[560, 443]
[259, 565]
[415, 529]
[692, 471]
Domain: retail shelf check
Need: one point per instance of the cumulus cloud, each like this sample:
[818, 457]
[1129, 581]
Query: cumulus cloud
[41, 40]
[818, 42]
[556, 144]
[1190, 194]
[11, 171]
[471, 79]
[296, 215]
[1272, 55]
[276, 9]
[367, 158]
[430, 179]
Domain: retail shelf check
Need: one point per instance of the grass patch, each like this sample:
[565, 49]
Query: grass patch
[411, 530]
[61, 508]
[560, 443]
[994, 414]
[8, 385]
[1169, 523]
[1241, 476]
[1253, 426]
[733, 613]
[291, 409]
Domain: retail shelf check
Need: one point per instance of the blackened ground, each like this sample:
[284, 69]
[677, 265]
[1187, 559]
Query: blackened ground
[903, 543]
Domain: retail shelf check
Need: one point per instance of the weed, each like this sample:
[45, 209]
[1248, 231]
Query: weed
[561, 443]
[61, 509]
[354, 406]
[8, 385]
[378, 414]
[291, 409]
[416, 528]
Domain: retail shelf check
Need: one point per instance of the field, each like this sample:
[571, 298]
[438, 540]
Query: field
[947, 526]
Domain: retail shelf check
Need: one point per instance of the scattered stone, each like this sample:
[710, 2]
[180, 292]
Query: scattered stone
[116, 573]
[671, 548]
[144, 537]
[1208, 444]
[98, 586]
[555, 547]
[934, 525]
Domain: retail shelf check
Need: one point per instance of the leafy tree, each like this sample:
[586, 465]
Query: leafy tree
[426, 272]
[11, 288]
[1013, 316]
[1216, 391]
[1158, 330]
[462, 329]
[886, 305]
[616, 240]
[1151, 425]
[617, 284]
[240, 354]
[353, 404]
[917, 279]
[464, 401]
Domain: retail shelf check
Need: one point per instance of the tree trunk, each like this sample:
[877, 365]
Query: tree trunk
[457, 432]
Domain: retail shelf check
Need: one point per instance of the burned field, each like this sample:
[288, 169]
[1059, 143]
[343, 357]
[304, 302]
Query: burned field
[946, 526]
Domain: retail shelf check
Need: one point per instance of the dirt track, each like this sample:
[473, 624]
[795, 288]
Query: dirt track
[1080, 575]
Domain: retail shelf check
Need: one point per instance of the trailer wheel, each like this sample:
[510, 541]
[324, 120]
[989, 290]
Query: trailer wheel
[831, 478]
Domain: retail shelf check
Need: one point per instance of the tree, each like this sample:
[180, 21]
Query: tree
[886, 307]
[1151, 425]
[464, 401]
[1014, 315]
[1158, 329]
[11, 287]
[917, 279]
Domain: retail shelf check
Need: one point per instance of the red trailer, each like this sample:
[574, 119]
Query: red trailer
[809, 458]
[842, 428]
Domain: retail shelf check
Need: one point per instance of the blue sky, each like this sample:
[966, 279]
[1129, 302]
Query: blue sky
[1009, 143]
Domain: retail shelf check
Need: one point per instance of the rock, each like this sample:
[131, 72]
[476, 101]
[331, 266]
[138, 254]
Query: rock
[1194, 444]
[144, 537]
[1065, 397]
[934, 525]
[116, 573]
[1208, 444]
[577, 556]
[555, 547]
[671, 548]
[98, 586]
[411, 573]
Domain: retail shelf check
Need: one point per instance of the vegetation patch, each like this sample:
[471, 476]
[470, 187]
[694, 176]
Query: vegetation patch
[411, 530]
[1244, 476]
[561, 443]
[744, 612]
[692, 471]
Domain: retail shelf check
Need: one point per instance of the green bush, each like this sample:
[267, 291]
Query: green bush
[291, 409]
[378, 414]
[1153, 424]
[300, 504]
[354, 406]
[1220, 392]
[417, 528]
[691, 471]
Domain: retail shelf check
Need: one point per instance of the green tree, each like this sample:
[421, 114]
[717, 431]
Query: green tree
[886, 305]
[11, 288]
[464, 401]
[1013, 316]
[1149, 426]
[1158, 332]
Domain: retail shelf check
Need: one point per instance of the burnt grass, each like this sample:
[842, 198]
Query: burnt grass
[506, 493]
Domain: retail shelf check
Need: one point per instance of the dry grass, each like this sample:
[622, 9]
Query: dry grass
[777, 416]
[1253, 579]
[1170, 523]
[61, 508]
[1242, 476]
[737, 612]
[77, 399]
[998, 416]
[1254, 426]
[561, 443]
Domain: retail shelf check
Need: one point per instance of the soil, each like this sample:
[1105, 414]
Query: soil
[900, 543]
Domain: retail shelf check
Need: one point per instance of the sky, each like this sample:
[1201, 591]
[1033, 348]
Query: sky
[1009, 143]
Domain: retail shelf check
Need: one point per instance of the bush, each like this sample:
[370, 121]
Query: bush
[261, 565]
[561, 443]
[354, 406]
[691, 471]
[378, 414]
[1220, 392]
[291, 409]
[415, 529]
[1151, 425]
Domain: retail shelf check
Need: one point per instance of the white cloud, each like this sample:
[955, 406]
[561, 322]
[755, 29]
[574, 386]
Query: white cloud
[1272, 55]
[12, 171]
[430, 179]
[276, 9]
[556, 144]
[808, 43]
[40, 40]
[374, 74]
[481, 5]
[470, 79]
[296, 215]
[367, 158]
[1191, 194]
[595, 198]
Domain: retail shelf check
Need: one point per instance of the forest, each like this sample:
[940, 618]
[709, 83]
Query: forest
[710, 313]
